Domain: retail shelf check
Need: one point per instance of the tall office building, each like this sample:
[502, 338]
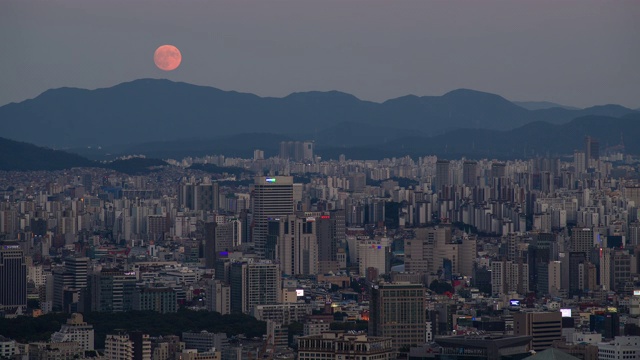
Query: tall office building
[220, 239]
[112, 290]
[272, 197]
[498, 171]
[591, 148]
[330, 231]
[545, 327]
[583, 240]
[296, 150]
[69, 282]
[426, 252]
[579, 162]
[443, 175]
[292, 242]
[203, 196]
[376, 255]
[254, 283]
[13, 276]
[219, 297]
[398, 311]
[577, 261]
[470, 173]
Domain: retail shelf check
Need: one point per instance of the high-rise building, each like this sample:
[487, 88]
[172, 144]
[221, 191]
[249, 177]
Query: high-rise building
[330, 231]
[398, 311]
[545, 327]
[509, 276]
[141, 345]
[159, 299]
[13, 276]
[443, 175]
[204, 196]
[112, 290]
[254, 283]
[76, 330]
[374, 254]
[579, 162]
[220, 238]
[583, 240]
[118, 347]
[70, 281]
[219, 297]
[592, 148]
[576, 272]
[292, 242]
[296, 150]
[272, 197]
[470, 173]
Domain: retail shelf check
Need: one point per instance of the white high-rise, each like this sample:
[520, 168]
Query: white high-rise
[76, 330]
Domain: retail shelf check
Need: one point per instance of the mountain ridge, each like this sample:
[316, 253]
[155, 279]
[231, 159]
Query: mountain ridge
[147, 110]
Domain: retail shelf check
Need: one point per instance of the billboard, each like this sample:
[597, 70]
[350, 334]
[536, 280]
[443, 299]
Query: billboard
[636, 292]
[299, 292]
[514, 302]
[565, 312]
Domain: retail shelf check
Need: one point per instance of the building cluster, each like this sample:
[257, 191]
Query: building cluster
[430, 258]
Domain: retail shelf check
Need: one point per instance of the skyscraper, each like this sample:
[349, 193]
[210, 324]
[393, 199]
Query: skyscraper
[591, 148]
[13, 276]
[470, 173]
[443, 177]
[398, 311]
[254, 284]
[582, 240]
[218, 239]
[292, 241]
[330, 231]
[272, 197]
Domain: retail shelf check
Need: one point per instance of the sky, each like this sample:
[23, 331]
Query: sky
[573, 52]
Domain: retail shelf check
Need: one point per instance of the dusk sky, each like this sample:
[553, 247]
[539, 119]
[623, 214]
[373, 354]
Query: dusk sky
[578, 53]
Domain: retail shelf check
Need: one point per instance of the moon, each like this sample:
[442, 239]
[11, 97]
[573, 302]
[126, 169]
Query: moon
[167, 57]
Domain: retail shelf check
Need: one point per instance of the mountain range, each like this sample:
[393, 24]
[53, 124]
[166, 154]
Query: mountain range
[123, 117]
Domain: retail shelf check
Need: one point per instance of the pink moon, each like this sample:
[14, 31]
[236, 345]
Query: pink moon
[167, 57]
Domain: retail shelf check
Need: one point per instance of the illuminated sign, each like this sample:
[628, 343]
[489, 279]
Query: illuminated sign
[636, 292]
[299, 292]
[270, 179]
[565, 312]
[325, 217]
[514, 302]
[130, 273]
[311, 218]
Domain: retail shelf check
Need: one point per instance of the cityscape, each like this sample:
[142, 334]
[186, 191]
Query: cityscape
[146, 215]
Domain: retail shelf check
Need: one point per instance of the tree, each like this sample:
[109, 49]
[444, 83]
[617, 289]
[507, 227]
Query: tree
[440, 287]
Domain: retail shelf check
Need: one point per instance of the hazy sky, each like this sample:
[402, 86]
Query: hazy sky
[577, 53]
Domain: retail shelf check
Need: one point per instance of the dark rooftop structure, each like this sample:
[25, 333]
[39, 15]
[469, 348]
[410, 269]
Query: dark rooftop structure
[483, 347]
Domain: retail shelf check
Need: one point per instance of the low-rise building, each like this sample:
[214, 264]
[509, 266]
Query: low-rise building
[338, 345]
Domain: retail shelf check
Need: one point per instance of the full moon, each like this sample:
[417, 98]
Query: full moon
[167, 57]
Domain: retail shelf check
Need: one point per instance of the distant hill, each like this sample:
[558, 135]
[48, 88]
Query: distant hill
[15, 155]
[539, 105]
[533, 139]
[20, 156]
[150, 110]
